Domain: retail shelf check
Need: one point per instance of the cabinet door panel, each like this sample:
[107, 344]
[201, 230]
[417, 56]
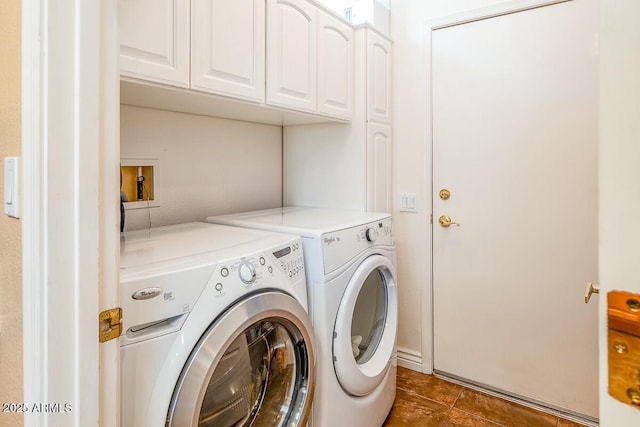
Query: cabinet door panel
[378, 78]
[335, 66]
[379, 185]
[292, 54]
[228, 59]
[154, 40]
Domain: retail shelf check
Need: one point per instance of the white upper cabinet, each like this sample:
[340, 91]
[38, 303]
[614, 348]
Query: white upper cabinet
[379, 149]
[378, 78]
[154, 40]
[335, 66]
[288, 54]
[228, 48]
[292, 54]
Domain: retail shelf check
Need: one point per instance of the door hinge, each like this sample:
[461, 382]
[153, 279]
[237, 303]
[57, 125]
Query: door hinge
[431, 219]
[110, 324]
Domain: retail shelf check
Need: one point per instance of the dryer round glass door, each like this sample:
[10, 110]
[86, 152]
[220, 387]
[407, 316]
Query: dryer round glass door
[365, 329]
[253, 367]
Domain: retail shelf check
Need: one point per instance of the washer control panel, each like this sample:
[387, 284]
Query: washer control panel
[290, 260]
[236, 276]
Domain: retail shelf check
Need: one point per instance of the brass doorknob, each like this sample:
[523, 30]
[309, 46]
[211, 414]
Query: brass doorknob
[446, 221]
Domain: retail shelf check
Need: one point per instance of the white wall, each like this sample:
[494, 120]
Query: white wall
[332, 148]
[412, 169]
[207, 165]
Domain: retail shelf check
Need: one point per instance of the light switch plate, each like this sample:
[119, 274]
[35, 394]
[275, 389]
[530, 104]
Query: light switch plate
[11, 186]
[408, 202]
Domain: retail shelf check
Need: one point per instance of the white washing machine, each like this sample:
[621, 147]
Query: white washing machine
[216, 330]
[351, 285]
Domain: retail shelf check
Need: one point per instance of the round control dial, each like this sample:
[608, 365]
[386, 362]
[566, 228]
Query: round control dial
[371, 234]
[247, 272]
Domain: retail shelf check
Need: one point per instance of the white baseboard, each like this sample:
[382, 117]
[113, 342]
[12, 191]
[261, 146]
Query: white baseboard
[409, 359]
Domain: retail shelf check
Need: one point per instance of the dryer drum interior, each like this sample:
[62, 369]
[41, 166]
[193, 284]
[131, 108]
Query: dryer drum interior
[259, 376]
[369, 317]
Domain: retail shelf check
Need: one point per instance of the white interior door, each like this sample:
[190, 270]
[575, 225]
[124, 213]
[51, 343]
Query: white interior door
[514, 104]
[619, 177]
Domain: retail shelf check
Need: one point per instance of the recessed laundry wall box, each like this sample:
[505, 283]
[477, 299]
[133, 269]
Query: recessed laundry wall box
[140, 183]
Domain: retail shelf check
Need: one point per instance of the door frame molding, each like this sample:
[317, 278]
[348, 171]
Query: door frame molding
[430, 26]
[70, 222]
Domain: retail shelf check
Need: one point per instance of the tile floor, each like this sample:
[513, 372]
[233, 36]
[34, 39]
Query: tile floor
[426, 401]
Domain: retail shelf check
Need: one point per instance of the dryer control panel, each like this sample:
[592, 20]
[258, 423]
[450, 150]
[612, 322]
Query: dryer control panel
[340, 246]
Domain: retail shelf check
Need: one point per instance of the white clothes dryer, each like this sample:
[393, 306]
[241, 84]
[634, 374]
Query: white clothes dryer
[216, 330]
[351, 285]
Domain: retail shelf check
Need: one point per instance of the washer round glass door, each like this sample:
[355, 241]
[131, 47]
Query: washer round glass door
[365, 329]
[254, 366]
